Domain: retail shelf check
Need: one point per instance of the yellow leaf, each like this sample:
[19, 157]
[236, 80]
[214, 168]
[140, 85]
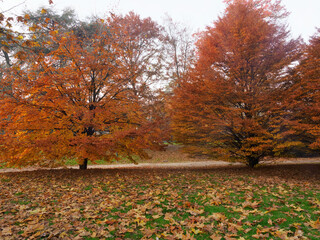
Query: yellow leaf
[315, 224]
[4, 43]
[196, 231]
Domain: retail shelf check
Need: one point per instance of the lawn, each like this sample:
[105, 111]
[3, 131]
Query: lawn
[171, 154]
[270, 202]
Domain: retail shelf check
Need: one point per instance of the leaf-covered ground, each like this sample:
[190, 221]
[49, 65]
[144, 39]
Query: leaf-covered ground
[270, 202]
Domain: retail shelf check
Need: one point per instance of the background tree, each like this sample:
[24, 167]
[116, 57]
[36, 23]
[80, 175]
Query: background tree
[9, 38]
[142, 40]
[179, 50]
[304, 97]
[41, 22]
[80, 100]
[229, 104]
[49, 19]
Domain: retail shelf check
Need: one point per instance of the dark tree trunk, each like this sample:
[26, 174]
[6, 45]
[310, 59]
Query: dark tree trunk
[252, 162]
[84, 165]
[89, 131]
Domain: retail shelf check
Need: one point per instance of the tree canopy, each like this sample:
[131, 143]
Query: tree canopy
[229, 104]
[83, 99]
[304, 97]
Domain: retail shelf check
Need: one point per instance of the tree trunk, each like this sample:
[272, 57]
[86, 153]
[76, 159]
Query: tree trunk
[84, 165]
[89, 131]
[252, 162]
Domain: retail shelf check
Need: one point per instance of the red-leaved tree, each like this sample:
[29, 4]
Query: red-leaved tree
[229, 105]
[303, 96]
[86, 98]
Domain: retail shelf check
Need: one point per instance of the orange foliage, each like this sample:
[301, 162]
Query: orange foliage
[304, 95]
[85, 99]
[229, 105]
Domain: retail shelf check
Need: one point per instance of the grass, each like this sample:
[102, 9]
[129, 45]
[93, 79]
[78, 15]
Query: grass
[2, 165]
[172, 154]
[275, 202]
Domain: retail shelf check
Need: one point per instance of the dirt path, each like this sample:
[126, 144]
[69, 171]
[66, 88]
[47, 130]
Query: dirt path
[136, 166]
[196, 164]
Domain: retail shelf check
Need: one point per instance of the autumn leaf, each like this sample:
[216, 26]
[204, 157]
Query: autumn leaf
[217, 216]
[6, 231]
[194, 211]
[315, 224]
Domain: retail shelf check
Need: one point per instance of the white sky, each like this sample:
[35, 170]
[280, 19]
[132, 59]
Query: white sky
[303, 20]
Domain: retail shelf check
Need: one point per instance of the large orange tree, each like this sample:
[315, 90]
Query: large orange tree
[230, 103]
[303, 96]
[84, 99]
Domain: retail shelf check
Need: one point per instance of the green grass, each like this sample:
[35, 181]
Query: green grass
[171, 154]
[2, 165]
[123, 160]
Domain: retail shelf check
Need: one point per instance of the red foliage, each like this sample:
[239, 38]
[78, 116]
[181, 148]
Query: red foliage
[304, 95]
[85, 99]
[229, 104]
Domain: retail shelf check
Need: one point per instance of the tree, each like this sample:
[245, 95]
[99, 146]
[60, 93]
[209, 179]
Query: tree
[179, 50]
[10, 39]
[304, 96]
[229, 103]
[41, 22]
[48, 19]
[143, 58]
[80, 100]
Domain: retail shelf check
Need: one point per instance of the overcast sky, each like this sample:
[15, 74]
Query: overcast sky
[303, 20]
